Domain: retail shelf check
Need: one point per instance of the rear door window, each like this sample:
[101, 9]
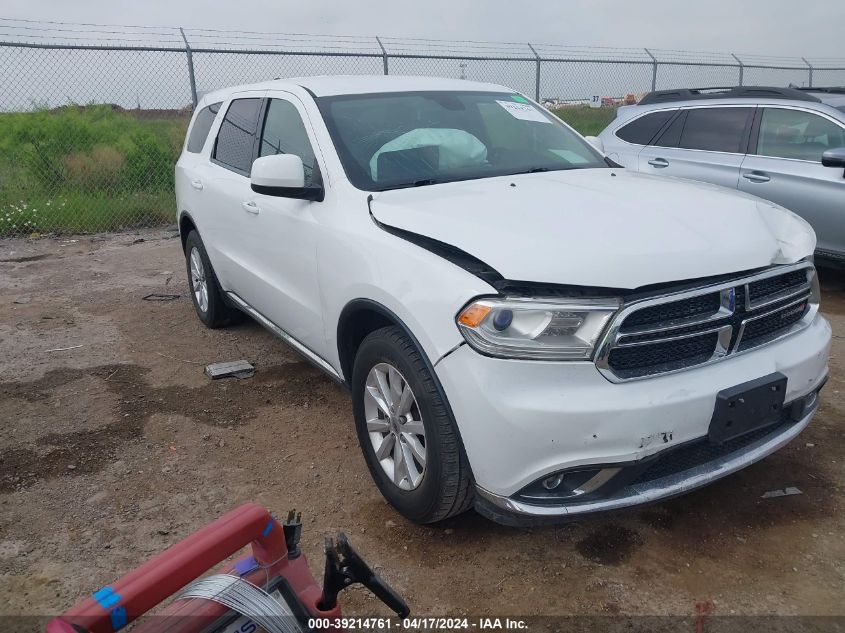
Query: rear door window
[202, 124]
[716, 129]
[643, 129]
[235, 145]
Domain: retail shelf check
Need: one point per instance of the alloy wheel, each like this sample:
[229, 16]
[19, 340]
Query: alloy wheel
[199, 284]
[395, 426]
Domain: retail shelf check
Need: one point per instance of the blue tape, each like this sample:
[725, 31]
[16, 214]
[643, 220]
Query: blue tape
[118, 618]
[106, 597]
[268, 528]
[246, 565]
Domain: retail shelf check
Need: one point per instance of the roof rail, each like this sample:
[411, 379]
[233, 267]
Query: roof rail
[835, 90]
[748, 92]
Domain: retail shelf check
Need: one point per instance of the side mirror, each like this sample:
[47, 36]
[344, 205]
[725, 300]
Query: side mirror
[596, 142]
[834, 157]
[283, 176]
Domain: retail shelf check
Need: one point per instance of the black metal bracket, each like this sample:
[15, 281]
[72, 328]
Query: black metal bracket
[344, 567]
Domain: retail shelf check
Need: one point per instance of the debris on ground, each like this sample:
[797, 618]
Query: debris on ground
[22, 300]
[63, 349]
[160, 297]
[234, 369]
[786, 492]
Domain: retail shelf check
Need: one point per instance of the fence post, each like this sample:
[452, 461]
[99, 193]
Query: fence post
[741, 68]
[536, 75]
[190, 68]
[810, 69]
[383, 53]
[653, 70]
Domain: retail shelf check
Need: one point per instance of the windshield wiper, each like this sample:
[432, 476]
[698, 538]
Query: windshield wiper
[417, 183]
[538, 170]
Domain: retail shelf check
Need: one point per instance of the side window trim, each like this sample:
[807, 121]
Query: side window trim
[754, 135]
[259, 130]
[746, 133]
[255, 138]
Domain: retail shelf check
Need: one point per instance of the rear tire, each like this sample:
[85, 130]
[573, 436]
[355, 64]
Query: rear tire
[206, 295]
[409, 439]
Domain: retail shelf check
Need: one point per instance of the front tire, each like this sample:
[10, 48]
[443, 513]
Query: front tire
[205, 292]
[406, 431]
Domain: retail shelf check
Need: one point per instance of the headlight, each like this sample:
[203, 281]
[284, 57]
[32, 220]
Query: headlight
[532, 329]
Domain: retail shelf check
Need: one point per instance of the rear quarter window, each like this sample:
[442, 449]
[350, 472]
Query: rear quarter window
[202, 124]
[643, 129]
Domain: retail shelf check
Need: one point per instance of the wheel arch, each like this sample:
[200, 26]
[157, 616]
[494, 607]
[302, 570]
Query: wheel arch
[359, 318]
[186, 225]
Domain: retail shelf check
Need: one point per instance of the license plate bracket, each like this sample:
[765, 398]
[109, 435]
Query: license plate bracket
[747, 407]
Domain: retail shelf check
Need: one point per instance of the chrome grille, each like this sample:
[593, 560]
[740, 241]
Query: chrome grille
[659, 335]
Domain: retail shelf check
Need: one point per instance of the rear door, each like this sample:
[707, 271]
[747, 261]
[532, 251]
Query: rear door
[625, 144]
[704, 143]
[224, 178]
[784, 165]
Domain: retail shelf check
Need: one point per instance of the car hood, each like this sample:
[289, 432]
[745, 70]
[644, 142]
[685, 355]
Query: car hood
[600, 227]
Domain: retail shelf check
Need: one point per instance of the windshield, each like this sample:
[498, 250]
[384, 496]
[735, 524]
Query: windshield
[394, 140]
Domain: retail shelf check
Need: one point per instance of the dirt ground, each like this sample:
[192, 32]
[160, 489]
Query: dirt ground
[118, 447]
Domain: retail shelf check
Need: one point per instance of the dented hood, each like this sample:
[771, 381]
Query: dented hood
[600, 227]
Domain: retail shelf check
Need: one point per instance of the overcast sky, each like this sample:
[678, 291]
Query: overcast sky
[812, 28]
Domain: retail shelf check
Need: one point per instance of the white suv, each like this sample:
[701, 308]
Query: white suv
[525, 328]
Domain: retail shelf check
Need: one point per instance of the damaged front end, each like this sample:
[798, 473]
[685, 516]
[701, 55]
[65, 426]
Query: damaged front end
[668, 473]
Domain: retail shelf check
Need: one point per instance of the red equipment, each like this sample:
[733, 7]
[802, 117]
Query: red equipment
[275, 560]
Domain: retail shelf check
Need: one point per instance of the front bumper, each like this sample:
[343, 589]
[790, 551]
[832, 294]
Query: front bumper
[522, 420]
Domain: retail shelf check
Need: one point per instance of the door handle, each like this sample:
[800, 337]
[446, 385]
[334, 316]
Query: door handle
[197, 184]
[250, 207]
[756, 176]
[660, 163]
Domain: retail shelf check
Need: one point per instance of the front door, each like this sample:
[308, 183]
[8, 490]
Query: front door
[282, 233]
[784, 166]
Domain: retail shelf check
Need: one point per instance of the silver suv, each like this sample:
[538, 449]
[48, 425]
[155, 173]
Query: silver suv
[786, 145]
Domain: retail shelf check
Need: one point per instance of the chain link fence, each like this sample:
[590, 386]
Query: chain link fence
[92, 117]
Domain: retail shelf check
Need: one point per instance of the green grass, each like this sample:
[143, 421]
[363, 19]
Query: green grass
[81, 169]
[588, 121]
[87, 168]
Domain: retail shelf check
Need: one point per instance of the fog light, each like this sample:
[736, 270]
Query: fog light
[550, 483]
[568, 484]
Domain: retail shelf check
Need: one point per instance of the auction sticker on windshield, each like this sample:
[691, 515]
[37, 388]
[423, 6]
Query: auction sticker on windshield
[523, 111]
